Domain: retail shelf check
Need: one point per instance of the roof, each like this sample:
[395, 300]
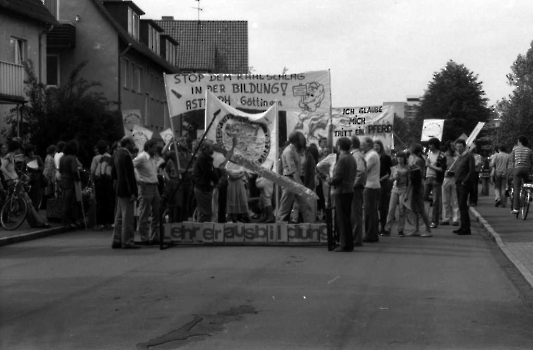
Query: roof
[33, 9]
[135, 45]
[216, 46]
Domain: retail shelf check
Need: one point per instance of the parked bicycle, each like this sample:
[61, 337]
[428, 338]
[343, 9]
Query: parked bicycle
[15, 207]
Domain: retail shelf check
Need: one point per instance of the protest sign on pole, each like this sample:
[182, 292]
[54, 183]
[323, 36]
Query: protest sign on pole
[166, 135]
[307, 95]
[257, 134]
[375, 122]
[140, 136]
[470, 140]
[432, 128]
[130, 118]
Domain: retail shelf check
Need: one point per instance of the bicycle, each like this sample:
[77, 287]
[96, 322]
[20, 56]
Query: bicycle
[526, 196]
[15, 208]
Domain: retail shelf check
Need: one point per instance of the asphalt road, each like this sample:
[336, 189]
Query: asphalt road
[72, 291]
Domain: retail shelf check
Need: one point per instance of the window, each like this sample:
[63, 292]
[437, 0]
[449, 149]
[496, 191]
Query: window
[52, 70]
[19, 50]
[133, 23]
[153, 40]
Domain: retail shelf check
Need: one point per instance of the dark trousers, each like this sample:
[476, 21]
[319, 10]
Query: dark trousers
[370, 197]
[204, 205]
[462, 199]
[105, 203]
[383, 202]
[357, 215]
[343, 209]
[70, 206]
[474, 189]
[222, 203]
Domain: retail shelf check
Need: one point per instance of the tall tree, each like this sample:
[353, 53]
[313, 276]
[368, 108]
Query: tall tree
[73, 111]
[455, 95]
[516, 111]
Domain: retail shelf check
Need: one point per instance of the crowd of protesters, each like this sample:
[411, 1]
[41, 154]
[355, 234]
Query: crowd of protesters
[369, 186]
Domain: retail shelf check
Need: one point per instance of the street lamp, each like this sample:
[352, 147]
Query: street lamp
[497, 123]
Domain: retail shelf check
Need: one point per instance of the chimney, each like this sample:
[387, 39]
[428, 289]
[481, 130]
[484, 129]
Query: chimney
[167, 18]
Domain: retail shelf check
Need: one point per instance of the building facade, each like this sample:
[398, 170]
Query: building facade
[123, 54]
[24, 24]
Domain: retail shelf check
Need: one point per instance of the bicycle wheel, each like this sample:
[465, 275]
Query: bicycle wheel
[13, 213]
[524, 209]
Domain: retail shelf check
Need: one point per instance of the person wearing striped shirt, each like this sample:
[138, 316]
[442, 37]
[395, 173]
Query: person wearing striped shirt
[522, 162]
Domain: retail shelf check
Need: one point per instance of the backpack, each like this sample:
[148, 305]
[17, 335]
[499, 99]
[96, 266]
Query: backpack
[103, 168]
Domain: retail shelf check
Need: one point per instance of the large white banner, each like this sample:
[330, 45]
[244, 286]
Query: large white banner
[432, 128]
[304, 95]
[257, 134]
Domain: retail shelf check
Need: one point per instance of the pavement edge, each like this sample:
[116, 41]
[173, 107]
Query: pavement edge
[503, 247]
[34, 235]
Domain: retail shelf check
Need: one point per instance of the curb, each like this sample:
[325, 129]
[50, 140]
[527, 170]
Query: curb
[34, 235]
[497, 238]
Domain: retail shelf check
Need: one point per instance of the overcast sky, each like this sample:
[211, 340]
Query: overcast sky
[377, 50]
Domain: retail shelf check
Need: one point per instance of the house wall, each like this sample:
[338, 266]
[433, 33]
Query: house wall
[96, 41]
[21, 27]
[151, 98]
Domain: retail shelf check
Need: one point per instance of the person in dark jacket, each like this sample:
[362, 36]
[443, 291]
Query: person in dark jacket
[126, 192]
[68, 168]
[204, 180]
[464, 173]
[342, 181]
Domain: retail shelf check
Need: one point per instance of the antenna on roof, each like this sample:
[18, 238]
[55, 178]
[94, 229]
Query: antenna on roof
[199, 9]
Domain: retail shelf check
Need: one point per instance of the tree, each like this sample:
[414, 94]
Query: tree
[456, 96]
[516, 111]
[72, 111]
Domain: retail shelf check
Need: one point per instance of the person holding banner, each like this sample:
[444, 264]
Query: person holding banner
[292, 167]
[371, 191]
[342, 182]
[204, 180]
[358, 188]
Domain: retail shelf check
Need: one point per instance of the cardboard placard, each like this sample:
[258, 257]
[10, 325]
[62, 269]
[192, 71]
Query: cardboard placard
[282, 232]
[255, 233]
[233, 233]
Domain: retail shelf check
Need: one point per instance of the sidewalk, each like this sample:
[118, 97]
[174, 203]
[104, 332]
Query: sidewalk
[513, 236]
[26, 233]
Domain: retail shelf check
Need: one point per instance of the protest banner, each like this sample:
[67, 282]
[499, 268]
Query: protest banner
[130, 118]
[257, 134]
[166, 135]
[306, 95]
[432, 128]
[375, 122]
[470, 140]
[140, 136]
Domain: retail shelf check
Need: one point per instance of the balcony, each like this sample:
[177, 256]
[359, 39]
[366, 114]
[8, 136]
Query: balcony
[62, 37]
[11, 83]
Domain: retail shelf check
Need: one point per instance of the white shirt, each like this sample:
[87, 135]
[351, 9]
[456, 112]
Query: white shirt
[57, 157]
[372, 169]
[145, 168]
